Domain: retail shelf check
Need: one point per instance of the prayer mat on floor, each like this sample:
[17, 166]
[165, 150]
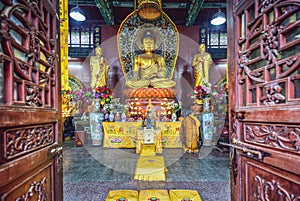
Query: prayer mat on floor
[154, 195]
[122, 195]
[150, 168]
[148, 150]
[184, 195]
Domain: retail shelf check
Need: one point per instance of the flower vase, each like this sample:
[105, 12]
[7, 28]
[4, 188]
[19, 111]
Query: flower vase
[198, 101]
[174, 117]
[118, 116]
[111, 117]
[123, 117]
[97, 105]
[206, 105]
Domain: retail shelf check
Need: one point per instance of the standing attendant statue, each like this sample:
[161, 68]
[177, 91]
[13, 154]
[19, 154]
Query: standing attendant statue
[201, 64]
[189, 133]
[99, 69]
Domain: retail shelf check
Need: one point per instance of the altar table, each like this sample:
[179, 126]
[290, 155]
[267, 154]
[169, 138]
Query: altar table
[123, 134]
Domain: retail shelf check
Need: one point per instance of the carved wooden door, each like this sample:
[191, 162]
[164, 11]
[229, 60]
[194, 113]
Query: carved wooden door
[264, 83]
[30, 114]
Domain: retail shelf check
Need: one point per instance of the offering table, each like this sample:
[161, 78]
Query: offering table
[123, 134]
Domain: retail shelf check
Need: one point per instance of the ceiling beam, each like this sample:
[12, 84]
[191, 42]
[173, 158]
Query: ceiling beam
[214, 5]
[193, 12]
[129, 4]
[106, 11]
[82, 2]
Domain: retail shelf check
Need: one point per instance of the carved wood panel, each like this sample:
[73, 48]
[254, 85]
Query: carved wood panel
[284, 137]
[269, 53]
[36, 186]
[19, 141]
[266, 183]
[28, 56]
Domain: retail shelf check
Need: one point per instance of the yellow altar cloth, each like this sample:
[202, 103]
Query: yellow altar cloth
[130, 195]
[162, 195]
[178, 195]
[150, 168]
[123, 134]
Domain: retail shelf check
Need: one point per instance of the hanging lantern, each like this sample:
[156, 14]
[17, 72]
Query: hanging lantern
[149, 9]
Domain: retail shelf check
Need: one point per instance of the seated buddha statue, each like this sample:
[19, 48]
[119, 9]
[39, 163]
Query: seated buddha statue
[149, 69]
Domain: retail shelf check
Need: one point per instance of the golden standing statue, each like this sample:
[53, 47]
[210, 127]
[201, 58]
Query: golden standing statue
[99, 69]
[201, 64]
[149, 69]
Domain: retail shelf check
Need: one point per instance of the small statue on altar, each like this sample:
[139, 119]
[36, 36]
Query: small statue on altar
[189, 133]
[99, 69]
[149, 69]
[148, 120]
[150, 115]
[157, 141]
[201, 64]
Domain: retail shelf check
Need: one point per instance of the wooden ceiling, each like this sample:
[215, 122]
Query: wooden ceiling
[183, 12]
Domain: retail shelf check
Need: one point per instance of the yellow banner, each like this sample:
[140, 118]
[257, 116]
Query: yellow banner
[64, 27]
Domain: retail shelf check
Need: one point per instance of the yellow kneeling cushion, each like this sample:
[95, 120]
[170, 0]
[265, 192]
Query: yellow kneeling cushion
[155, 195]
[123, 195]
[184, 195]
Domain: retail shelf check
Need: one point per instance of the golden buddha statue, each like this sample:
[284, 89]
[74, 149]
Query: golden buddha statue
[201, 64]
[99, 69]
[149, 69]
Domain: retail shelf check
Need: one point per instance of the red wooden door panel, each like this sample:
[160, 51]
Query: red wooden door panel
[30, 114]
[264, 99]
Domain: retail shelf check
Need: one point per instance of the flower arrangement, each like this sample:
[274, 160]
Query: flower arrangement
[85, 94]
[174, 106]
[104, 94]
[82, 98]
[219, 97]
[202, 92]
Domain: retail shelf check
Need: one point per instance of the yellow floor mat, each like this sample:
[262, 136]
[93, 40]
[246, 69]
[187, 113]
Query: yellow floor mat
[155, 195]
[184, 195]
[122, 195]
[150, 168]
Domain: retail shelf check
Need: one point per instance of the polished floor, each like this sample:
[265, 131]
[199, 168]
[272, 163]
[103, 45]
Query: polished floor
[90, 172]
